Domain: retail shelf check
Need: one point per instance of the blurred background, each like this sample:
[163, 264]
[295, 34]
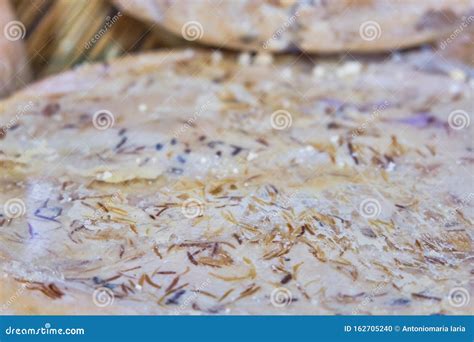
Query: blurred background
[60, 33]
[63, 33]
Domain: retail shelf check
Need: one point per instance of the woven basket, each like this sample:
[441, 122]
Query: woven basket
[63, 33]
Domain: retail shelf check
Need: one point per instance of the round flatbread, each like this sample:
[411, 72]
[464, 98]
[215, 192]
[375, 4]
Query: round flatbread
[188, 182]
[312, 26]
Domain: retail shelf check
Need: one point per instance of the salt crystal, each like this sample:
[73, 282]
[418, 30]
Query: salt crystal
[216, 57]
[263, 58]
[457, 75]
[252, 156]
[319, 71]
[106, 175]
[351, 68]
[244, 59]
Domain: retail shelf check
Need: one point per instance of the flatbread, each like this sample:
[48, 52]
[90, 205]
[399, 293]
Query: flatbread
[311, 26]
[189, 182]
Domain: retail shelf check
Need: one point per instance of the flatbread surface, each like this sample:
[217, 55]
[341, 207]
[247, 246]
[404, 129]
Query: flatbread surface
[188, 182]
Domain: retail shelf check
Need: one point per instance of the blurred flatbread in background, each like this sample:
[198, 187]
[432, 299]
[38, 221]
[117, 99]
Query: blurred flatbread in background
[313, 26]
[459, 45]
[14, 71]
[99, 31]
